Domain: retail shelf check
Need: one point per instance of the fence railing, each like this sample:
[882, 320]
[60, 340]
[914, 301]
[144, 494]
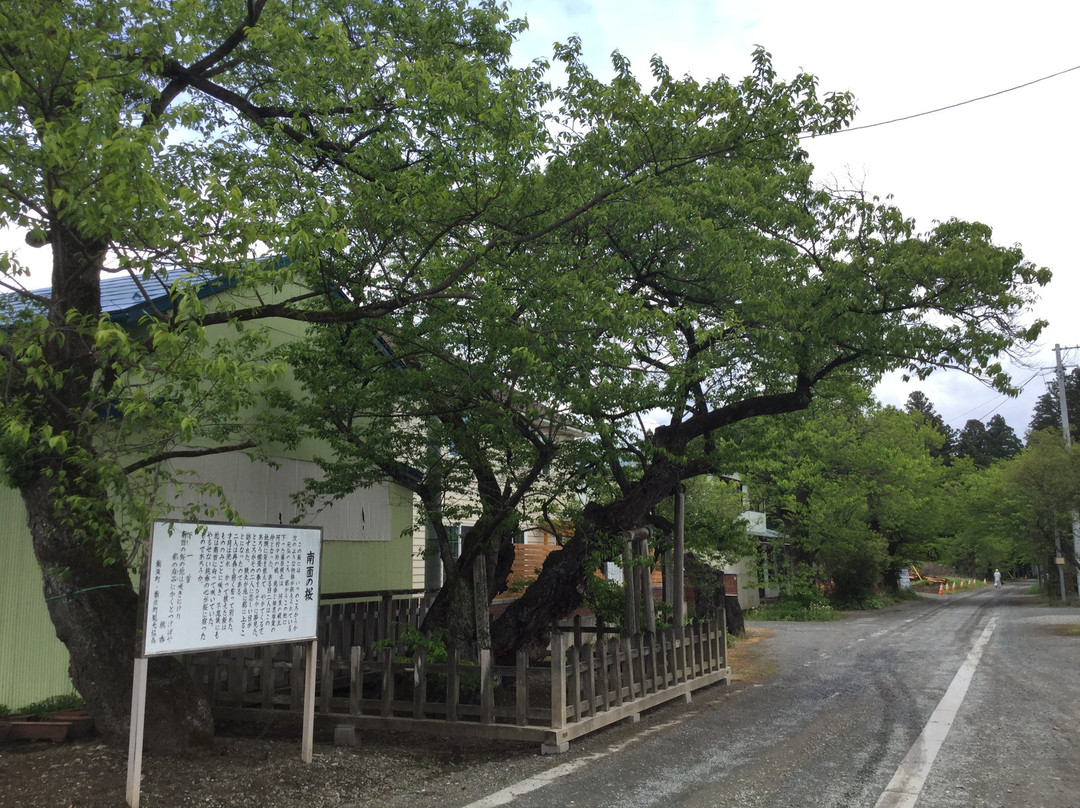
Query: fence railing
[590, 680]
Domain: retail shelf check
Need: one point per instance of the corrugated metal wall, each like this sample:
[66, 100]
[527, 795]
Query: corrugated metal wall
[33, 663]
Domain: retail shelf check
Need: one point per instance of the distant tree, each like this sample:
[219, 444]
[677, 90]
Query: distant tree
[988, 521]
[860, 492]
[920, 407]
[1047, 412]
[1044, 478]
[1001, 441]
[973, 443]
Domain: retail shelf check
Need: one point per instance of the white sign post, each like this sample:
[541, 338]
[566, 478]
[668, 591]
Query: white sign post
[213, 586]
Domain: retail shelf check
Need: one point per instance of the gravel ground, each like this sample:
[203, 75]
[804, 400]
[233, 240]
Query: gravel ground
[259, 766]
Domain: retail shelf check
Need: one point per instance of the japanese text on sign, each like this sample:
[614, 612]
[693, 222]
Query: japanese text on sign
[219, 586]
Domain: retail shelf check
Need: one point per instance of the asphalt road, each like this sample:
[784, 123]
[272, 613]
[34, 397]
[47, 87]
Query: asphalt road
[971, 699]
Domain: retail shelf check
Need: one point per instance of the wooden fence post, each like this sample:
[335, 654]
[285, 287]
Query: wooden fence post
[521, 695]
[487, 687]
[327, 680]
[419, 681]
[453, 683]
[387, 681]
[266, 677]
[590, 680]
[558, 681]
[723, 638]
[605, 689]
[574, 695]
[356, 679]
[296, 678]
[679, 590]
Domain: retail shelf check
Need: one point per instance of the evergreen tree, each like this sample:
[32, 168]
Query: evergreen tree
[1001, 441]
[973, 443]
[920, 407]
[1047, 412]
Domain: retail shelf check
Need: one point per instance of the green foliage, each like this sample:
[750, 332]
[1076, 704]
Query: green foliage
[502, 279]
[858, 488]
[713, 523]
[986, 444]
[1043, 482]
[805, 586]
[605, 599]
[988, 524]
[65, 701]
[795, 612]
[1047, 412]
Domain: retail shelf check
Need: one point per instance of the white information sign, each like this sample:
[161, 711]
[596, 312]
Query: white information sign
[221, 586]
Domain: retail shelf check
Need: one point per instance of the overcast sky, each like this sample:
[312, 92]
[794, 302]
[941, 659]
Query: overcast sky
[1009, 161]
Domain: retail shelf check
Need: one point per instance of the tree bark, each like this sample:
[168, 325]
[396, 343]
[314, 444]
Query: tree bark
[557, 591]
[455, 611]
[94, 609]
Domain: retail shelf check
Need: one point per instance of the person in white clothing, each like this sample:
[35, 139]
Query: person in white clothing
[997, 578]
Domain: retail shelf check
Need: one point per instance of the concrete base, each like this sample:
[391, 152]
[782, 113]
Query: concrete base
[345, 736]
[554, 748]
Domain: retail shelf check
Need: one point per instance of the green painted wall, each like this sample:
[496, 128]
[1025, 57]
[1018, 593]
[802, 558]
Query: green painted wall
[33, 663]
[351, 566]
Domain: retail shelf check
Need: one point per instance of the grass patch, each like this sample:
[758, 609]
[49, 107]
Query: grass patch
[747, 660]
[794, 612]
[877, 601]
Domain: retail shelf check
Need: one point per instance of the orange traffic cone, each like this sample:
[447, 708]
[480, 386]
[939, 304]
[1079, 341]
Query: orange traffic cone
[954, 586]
[961, 584]
[941, 589]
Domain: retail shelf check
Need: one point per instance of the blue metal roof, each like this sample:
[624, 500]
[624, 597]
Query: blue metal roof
[126, 300]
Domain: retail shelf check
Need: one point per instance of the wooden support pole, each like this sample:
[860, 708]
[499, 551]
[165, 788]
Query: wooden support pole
[679, 606]
[646, 587]
[630, 585]
[135, 738]
[308, 742]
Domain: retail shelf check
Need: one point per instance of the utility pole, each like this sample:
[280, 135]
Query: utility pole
[1065, 431]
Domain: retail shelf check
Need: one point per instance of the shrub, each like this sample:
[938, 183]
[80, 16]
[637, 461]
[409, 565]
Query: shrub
[793, 611]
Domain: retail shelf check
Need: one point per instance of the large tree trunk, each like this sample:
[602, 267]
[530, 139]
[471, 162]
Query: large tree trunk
[461, 608]
[94, 610]
[560, 587]
[710, 596]
[557, 591]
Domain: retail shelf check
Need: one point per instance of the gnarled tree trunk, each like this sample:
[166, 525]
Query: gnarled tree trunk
[94, 609]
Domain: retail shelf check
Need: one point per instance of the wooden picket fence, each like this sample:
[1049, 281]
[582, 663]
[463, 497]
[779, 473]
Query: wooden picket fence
[590, 680]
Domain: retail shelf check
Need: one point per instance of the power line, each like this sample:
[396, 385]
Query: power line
[946, 108]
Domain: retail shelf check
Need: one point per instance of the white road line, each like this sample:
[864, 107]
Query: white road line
[906, 785]
[507, 795]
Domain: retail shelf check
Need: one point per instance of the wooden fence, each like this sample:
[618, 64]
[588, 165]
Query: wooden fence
[590, 680]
